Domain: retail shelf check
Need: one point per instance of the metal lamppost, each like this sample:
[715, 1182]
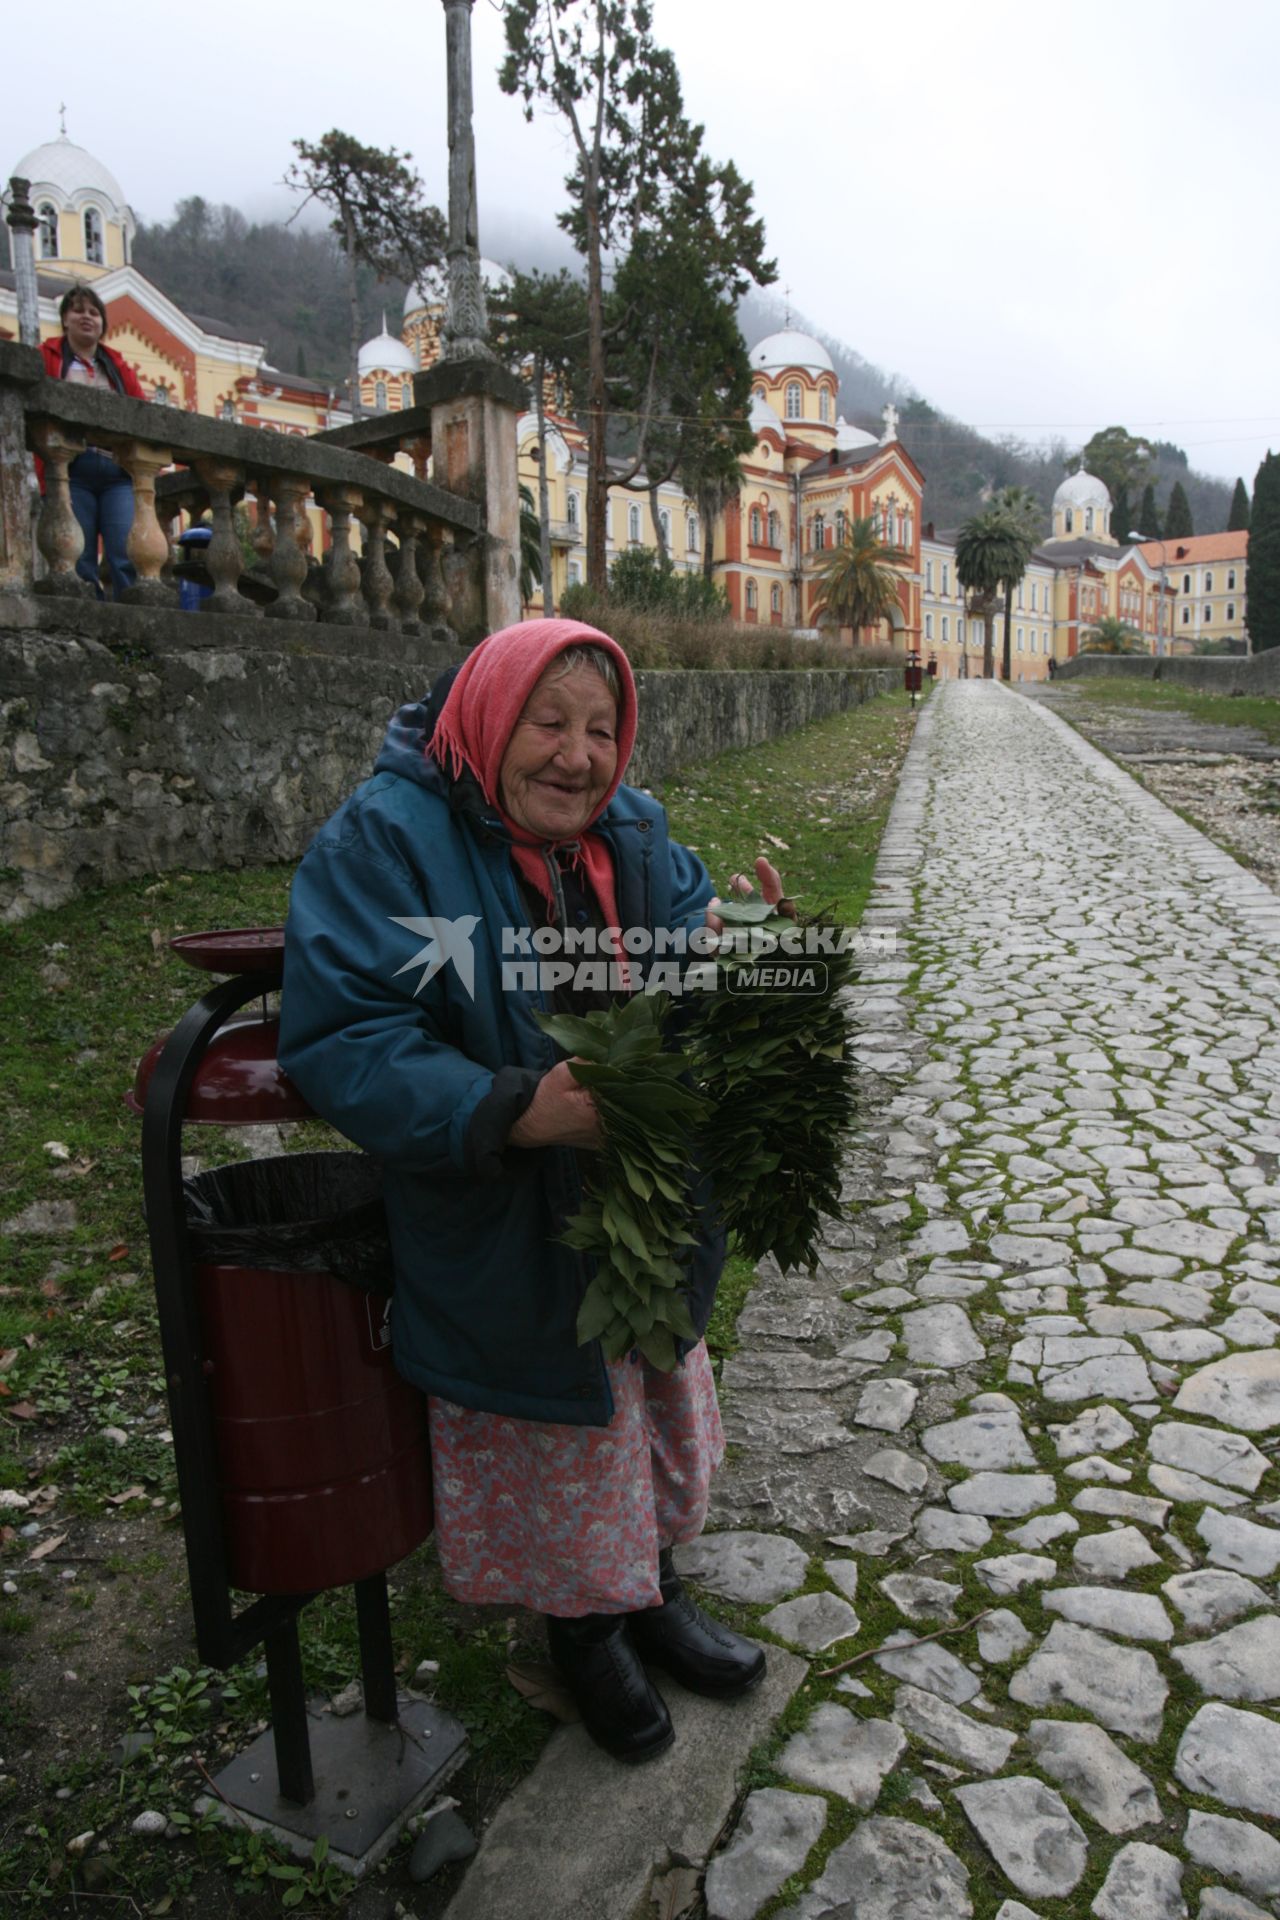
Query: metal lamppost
[1145, 539]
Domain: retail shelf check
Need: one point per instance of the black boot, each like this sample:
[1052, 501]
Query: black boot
[620, 1707]
[682, 1640]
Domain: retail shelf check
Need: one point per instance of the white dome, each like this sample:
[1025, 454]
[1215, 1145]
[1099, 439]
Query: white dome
[791, 349]
[763, 417]
[1082, 490]
[69, 170]
[432, 289]
[385, 354]
[847, 437]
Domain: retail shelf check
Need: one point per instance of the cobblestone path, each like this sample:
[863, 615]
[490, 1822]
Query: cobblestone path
[1037, 1378]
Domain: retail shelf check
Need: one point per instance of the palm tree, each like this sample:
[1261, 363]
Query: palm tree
[992, 549]
[1113, 636]
[530, 545]
[856, 586]
[1027, 516]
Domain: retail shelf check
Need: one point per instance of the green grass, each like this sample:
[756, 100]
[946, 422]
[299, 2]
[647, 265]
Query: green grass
[88, 987]
[1216, 709]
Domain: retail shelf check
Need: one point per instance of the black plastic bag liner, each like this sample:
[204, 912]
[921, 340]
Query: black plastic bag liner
[300, 1212]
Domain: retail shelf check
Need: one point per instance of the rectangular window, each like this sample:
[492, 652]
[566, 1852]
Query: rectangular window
[946, 577]
[928, 576]
[1020, 640]
[928, 626]
[1186, 616]
[946, 626]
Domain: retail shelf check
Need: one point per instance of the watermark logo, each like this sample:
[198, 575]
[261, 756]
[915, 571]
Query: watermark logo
[447, 940]
[614, 960]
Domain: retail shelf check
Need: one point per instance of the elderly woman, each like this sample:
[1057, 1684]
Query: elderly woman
[101, 491]
[562, 1481]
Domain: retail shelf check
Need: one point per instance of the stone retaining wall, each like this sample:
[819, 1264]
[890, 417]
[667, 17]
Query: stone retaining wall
[151, 749]
[1206, 673]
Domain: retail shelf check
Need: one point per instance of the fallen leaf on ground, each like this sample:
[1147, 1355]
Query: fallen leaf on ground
[119, 1253]
[56, 1150]
[674, 1893]
[50, 1288]
[542, 1687]
[130, 1493]
[7, 1358]
[23, 1410]
[774, 841]
[47, 1547]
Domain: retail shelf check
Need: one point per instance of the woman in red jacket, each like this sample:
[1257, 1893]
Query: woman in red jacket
[101, 491]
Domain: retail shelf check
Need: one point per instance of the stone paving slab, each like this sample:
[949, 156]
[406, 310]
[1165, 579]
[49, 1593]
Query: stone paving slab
[582, 1837]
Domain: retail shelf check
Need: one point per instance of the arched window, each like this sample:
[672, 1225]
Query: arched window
[753, 597]
[1186, 583]
[47, 214]
[818, 534]
[574, 509]
[904, 533]
[877, 527]
[227, 411]
[1208, 582]
[891, 526]
[1208, 613]
[842, 526]
[1088, 519]
[633, 525]
[1070, 521]
[775, 599]
[691, 532]
[380, 396]
[775, 530]
[406, 394]
[1231, 580]
[94, 247]
[824, 404]
[793, 399]
[664, 521]
[1231, 609]
[758, 394]
[757, 527]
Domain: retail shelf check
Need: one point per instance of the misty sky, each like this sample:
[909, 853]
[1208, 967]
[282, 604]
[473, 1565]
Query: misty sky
[1047, 219]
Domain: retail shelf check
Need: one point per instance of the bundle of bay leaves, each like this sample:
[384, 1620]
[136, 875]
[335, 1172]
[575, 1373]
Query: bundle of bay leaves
[750, 1085]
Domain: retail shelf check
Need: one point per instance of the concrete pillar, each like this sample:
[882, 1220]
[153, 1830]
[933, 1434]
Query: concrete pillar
[474, 408]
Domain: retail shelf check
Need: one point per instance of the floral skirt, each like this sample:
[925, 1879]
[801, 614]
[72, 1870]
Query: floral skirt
[570, 1520]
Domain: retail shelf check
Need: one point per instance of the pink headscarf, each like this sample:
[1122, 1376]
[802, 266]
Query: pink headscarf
[479, 717]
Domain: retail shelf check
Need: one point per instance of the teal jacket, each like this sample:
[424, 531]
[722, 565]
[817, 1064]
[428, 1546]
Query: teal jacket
[430, 1082]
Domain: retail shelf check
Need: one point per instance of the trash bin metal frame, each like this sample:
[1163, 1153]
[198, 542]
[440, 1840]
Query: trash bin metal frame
[222, 1635]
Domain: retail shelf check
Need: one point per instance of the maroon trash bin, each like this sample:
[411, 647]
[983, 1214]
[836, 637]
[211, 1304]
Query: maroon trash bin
[322, 1460]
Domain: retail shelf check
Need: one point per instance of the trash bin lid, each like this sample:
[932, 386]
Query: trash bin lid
[233, 949]
[238, 1082]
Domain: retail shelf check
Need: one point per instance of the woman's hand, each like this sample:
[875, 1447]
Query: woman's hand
[561, 1114]
[770, 887]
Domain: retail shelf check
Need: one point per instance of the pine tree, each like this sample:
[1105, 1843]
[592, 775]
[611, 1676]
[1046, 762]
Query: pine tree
[1178, 524]
[1264, 557]
[1148, 518]
[1238, 518]
[1121, 514]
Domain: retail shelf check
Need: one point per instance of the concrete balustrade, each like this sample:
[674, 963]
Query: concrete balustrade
[424, 558]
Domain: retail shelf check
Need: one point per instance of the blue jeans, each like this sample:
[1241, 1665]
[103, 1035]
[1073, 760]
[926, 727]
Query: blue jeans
[102, 501]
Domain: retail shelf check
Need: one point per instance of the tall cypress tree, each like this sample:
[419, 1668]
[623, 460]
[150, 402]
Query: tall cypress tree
[1264, 557]
[1238, 518]
[1178, 524]
[1148, 518]
[1121, 514]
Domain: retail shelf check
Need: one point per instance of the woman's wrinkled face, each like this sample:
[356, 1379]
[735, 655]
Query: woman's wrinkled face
[82, 325]
[561, 756]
